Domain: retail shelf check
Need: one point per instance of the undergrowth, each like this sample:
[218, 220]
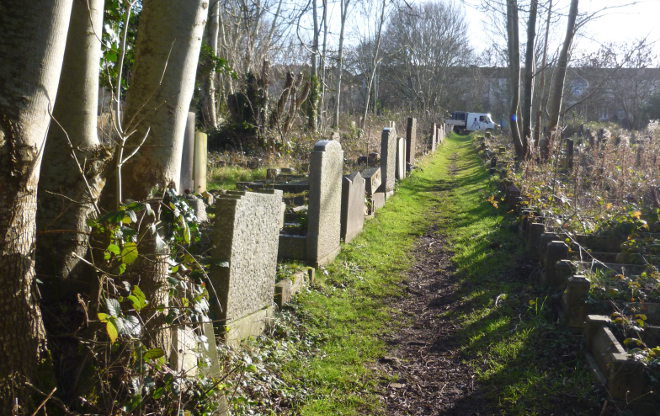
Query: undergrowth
[318, 358]
[525, 363]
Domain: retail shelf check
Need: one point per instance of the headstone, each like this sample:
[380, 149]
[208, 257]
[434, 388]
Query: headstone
[388, 145]
[245, 244]
[434, 132]
[324, 213]
[373, 179]
[186, 349]
[187, 159]
[411, 141]
[378, 201]
[352, 206]
[199, 163]
[401, 158]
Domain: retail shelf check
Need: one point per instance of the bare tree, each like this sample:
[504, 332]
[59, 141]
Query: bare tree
[514, 75]
[375, 58]
[424, 45]
[528, 85]
[559, 77]
[344, 6]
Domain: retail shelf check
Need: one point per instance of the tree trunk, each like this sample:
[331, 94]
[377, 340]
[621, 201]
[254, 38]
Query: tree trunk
[67, 198]
[313, 99]
[541, 95]
[557, 87]
[340, 59]
[514, 75]
[374, 62]
[530, 68]
[31, 46]
[167, 52]
[210, 105]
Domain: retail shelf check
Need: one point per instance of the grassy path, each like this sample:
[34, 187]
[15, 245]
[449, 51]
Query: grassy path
[441, 264]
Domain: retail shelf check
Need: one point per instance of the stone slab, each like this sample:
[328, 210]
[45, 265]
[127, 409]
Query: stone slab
[245, 247]
[352, 206]
[388, 145]
[324, 214]
[292, 247]
[373, 179]
[186, 183]
[248, 326]
[411, 141]
[401, 158]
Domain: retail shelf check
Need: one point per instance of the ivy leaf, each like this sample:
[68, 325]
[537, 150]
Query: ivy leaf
[111, 329]
[131, 326]
[103, 317]
[129, 253]
[137, 298]
[153, 354]
[114, 308]
[113, 248]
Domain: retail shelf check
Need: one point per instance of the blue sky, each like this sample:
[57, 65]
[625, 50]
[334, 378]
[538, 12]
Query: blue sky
[625, 22]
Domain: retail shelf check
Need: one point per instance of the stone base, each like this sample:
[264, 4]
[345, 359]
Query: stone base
[378, 201]
[292, 247]
[286, 289]
[324, 259]
[248, 326]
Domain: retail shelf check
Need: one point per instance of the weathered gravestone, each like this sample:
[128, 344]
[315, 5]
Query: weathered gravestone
[245, 248]
[401, 158]
[372, 179]
[187, 156]
[352, 206]
[324, 213]
[411, 142]
[199, 162]
[320, 244]
[388, 145]
[434, 138]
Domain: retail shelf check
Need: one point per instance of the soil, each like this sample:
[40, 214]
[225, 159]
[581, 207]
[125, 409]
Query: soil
[430, 378]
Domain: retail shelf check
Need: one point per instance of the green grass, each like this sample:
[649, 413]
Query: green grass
[525, 364]
[225, 177]
[350, 311]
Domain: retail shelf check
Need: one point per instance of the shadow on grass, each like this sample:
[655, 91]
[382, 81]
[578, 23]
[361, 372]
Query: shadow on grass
[525, 363]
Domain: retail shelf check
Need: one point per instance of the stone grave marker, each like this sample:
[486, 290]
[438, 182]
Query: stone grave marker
[324, 213]
[245, 244]
[388, 145]
[352, 206]
[401, 158]
[372, 178]
[434, 133]
[411, 142]
[187, 155]
[199, 162]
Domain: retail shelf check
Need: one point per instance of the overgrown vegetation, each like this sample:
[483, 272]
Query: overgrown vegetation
[317, 358]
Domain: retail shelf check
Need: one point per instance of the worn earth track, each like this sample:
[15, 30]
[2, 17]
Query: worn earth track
[429, 377]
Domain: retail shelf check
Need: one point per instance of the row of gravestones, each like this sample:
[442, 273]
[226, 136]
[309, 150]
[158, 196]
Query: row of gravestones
[248, 237]
[626, 380]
